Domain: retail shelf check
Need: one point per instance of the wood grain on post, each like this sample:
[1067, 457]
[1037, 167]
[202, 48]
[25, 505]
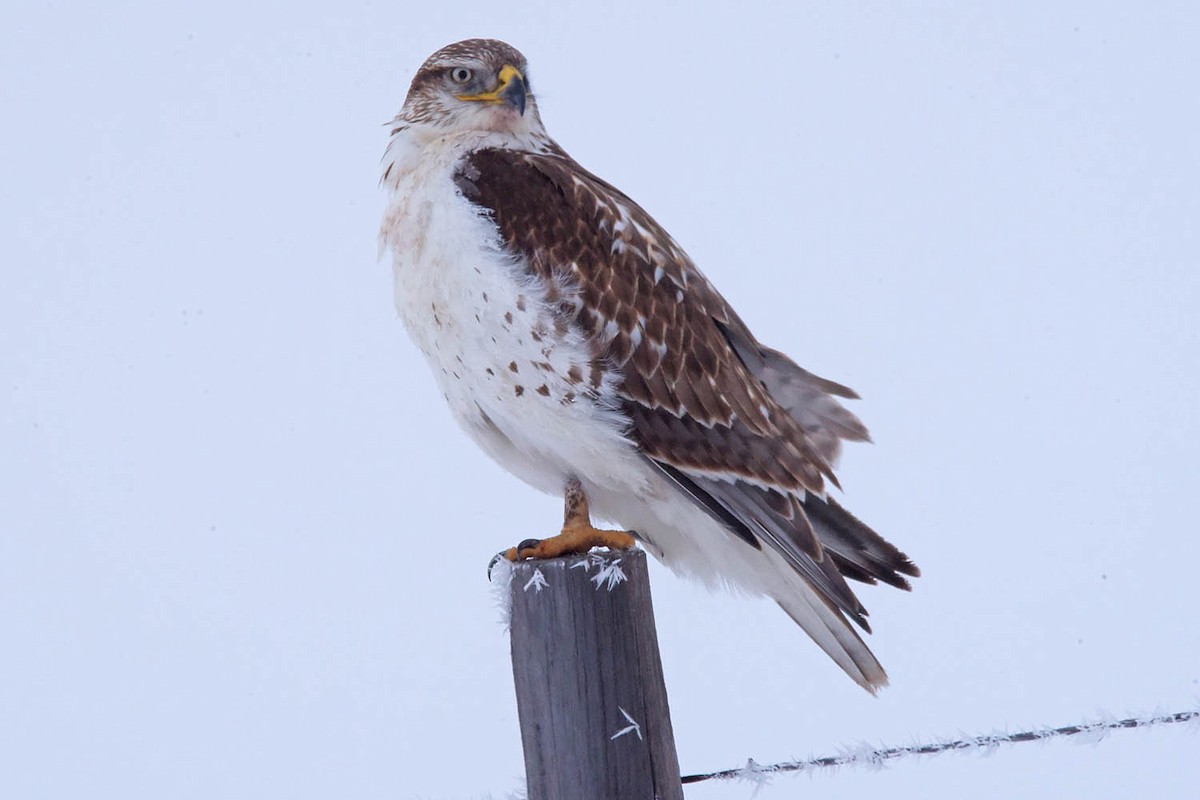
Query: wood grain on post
[590, 693]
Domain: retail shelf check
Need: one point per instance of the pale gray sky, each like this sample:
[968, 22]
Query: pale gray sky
[242, 544]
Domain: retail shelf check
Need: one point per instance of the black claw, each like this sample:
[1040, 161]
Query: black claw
[525, 545]
[492, 563]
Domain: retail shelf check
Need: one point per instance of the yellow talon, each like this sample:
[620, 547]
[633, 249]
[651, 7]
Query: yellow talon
[577, 536]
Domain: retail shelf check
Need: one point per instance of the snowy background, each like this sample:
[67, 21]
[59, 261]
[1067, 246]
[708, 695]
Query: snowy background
[242, 544]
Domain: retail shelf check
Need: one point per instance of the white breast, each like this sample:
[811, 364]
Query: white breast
[509, 376]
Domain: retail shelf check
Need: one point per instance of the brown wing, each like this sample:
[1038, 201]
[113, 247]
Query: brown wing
[747, 437]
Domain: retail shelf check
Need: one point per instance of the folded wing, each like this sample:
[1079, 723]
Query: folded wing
[738, 428]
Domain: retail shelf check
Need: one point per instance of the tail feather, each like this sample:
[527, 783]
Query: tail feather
[814, 545]
[860, 552]
[829, 629]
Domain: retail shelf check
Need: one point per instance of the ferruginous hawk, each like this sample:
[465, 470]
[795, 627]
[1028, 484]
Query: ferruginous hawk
[579, 346]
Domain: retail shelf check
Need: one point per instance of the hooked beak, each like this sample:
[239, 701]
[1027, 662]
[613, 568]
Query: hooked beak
[511, 89]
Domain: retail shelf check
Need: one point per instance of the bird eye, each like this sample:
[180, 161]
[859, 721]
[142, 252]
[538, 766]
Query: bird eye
[461, 74]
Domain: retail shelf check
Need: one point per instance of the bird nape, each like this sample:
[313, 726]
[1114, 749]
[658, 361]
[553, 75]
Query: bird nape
[580, 347]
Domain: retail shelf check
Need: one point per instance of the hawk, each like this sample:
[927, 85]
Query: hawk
[580, 347]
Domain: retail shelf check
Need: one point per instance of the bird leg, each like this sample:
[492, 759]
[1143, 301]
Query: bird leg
[577, 536]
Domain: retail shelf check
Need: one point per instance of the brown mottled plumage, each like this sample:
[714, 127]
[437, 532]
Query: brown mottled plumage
[649, 313]
[653, 318]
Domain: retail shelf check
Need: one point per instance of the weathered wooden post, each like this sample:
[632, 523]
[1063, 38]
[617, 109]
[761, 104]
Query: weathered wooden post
[590, 693]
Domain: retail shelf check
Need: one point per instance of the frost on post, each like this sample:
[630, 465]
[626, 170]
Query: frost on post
[537, 581]
[609, 575]
[632, 727]
[500, 572]
[608, 569]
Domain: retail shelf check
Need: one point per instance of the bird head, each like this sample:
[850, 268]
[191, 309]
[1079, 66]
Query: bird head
[473, 85]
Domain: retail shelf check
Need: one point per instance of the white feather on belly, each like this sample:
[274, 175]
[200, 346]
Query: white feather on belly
[482, 322]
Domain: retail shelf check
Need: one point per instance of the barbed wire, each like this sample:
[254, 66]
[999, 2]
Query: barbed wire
[877, 757]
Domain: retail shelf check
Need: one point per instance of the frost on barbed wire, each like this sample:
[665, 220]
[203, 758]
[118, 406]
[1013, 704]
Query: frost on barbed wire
[1094, 732]
[863, 754]
[875, 758]
[754, 774]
